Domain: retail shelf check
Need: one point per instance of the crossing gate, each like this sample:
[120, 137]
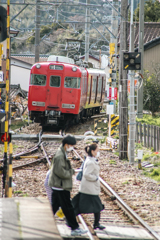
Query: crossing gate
[96, 121]
[114, 123]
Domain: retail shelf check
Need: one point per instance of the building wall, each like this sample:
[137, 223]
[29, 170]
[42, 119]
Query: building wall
[19, 73]
[151, 56]
[20, 76]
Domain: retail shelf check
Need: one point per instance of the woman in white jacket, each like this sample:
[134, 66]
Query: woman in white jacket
[87, 200]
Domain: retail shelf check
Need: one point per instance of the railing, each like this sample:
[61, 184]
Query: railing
[148, 136]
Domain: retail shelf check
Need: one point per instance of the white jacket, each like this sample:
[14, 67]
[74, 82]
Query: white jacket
[90, 183]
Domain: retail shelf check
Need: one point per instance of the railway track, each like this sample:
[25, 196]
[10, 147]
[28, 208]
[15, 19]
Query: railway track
[115, 204]
[118, 206]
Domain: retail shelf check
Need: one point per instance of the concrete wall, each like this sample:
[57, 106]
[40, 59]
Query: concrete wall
[20, 76]
[151, 57]
[19, 73]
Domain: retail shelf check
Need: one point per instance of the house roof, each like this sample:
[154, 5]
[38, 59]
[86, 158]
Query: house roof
[15, 90]
[29, 58]
[151, 32]
[90, 56]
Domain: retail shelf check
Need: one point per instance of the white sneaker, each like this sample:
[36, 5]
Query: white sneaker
[78, 232]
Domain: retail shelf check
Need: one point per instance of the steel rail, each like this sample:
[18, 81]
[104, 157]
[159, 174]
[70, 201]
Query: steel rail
[128, 210]
[124, 206]
[29, 163]
[85, 227]
[44, 152]
[30, 150]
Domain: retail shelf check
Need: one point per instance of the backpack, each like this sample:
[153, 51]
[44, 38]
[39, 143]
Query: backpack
[80, 173]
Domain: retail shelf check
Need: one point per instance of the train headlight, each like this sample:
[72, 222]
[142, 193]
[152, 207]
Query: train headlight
[74, 69]
[38, 65]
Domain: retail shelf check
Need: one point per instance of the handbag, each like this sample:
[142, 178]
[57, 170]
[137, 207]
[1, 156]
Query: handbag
[80, 173]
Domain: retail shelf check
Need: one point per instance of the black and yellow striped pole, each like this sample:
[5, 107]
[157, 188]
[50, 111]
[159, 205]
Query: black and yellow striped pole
[10, 171]
[6, 134]
[95, 126]
[114, 123]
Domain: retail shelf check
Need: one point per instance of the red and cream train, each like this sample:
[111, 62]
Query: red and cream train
[60, 91]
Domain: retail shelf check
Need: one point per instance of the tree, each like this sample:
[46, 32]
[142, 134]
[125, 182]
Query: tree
[151, 91]
[151, 11]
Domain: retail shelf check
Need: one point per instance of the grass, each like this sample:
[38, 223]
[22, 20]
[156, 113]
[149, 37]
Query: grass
[18, 192]
[153, 173]
[149, 119]
[116, 153]
[112, 162]
[103, 140]
[17, 124]
[126, 182]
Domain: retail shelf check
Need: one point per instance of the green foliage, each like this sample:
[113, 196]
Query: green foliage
[112, 162]
[126, 182]
[150, 120]
[151, 90]
[151, 11]
[18, 192]
[138, 146]
[154, 174]
[103, 140]
[116, 153]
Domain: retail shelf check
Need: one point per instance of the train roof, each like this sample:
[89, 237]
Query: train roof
[95, 70]
[61, 59]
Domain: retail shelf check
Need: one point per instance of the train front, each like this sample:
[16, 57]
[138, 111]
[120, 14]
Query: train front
[54, 92]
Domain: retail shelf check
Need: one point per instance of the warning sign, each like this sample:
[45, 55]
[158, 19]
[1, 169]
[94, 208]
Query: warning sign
[1, 76]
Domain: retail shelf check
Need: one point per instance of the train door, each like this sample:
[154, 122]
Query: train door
[71, 94]
[90, 89]
[54, 90]
[96, 90]
[102, 87]
[93, 89]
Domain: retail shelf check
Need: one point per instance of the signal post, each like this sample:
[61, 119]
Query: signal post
[5, 137]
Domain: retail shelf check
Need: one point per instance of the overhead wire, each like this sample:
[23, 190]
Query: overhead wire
[63, 16]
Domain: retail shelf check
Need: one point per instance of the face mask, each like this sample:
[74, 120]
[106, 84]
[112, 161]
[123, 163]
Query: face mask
[69, 149]
[98, 154]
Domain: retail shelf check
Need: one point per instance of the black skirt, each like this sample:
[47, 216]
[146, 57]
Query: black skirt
[86, 203]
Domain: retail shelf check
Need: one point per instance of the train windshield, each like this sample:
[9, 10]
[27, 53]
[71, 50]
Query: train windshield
[72, 82]
[55, 81]
[37, 79]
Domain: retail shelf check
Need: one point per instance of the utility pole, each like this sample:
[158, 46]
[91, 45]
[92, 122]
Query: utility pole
[123, 102]
[141, 49]
[37, 34]
[87, 25]
[114, 24]
[132, 104]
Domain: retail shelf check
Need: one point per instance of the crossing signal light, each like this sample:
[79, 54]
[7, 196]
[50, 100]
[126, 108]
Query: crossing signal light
[3, 24]
[132, 61]
[3, 138]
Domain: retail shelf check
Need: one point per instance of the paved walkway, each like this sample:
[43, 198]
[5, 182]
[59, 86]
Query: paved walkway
[27, 219]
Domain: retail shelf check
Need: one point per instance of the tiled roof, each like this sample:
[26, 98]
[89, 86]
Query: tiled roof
[151, 32]
[30, 59]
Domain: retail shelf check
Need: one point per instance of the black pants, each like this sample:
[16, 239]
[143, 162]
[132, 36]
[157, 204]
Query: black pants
[96, 218]
[62, 199]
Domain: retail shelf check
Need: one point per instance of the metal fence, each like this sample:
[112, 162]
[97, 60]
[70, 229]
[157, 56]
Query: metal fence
[148, 136]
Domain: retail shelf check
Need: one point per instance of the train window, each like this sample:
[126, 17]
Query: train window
[72, 82]
[55, 81]
[94, 84]
[56, 67]
[37, 79]
[100, 85]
